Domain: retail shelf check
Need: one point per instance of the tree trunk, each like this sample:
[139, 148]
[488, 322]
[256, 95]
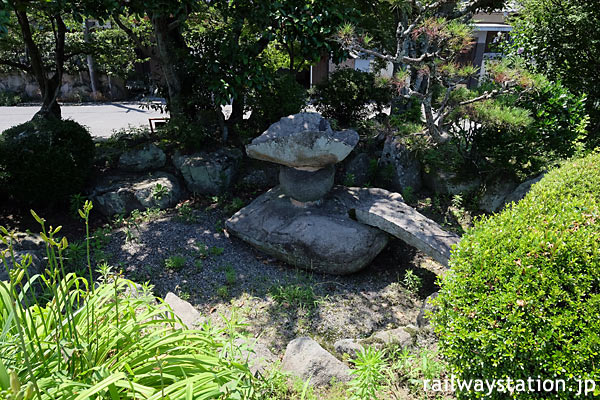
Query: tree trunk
[90, 62]
[172, 52]
[49, 86]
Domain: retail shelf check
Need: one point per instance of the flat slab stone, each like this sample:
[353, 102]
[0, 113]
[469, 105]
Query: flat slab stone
[388, 212]
[303, 140]
[319, 238]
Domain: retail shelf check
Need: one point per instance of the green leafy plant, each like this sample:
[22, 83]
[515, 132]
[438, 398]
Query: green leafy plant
[159, 192]
[100, 340]
[296, 295]
[230, 275]
[523, 286]
[216, 251]
[412, 282]
[350, 95]
[175, 262]
[369, 374]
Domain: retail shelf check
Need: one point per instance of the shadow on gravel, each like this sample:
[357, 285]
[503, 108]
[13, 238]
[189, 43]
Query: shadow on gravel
[278, 301]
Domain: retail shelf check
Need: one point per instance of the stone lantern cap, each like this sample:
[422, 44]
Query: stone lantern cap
[303, 141]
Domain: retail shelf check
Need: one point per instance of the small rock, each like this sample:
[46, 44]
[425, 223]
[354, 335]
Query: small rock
[149, 157]
[405, 166]
[426, 308]
[208, 173]
[306, 359]
[348, 346]
[258, 355]
[401, 336]
[184, 310]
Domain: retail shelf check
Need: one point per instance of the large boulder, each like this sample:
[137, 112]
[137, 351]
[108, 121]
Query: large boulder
[208, 173]
[123, 194]
[443, 182]
[149, 157]
[519, 193]
[405, 168]
[495, 194]
[357, 171]
[306, 359]
[303, 140]
[319, 238]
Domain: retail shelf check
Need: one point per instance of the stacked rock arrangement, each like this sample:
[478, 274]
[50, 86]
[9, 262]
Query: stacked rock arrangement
[305, 221]
[307, 149]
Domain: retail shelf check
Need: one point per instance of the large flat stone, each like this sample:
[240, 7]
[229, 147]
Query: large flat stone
[317, 238]
[388, 212]
[303, 140]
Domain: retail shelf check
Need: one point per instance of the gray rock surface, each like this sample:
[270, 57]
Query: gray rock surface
[303, 140]
[521, 191]
[306, 359]
[257, 354]
[406, 169]
[306, 186]
[357, 170]
[36, 266]
[149, 157]
[208, 173]
[495, 194]
[317, 238]
[442, 182]
[426, 308]
[123, 194]
[348, 346]
[388, 212]
[190, 317]
[403, 336]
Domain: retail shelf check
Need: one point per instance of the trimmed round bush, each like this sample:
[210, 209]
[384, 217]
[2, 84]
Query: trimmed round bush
[45, 161]
[522, 298]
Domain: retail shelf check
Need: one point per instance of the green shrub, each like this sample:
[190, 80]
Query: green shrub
[108, 340]
[519, 135]
[45, 161]
[522, 297]
[280, 97]
[347, 94]
[8, 99]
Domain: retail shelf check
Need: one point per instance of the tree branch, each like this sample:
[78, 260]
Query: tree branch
[18, 65]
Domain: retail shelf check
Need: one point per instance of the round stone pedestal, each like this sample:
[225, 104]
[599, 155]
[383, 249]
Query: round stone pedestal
[306, 186]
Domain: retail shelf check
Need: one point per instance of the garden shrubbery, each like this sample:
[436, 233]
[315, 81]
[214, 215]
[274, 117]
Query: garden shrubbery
[45, 161]
[520, 134]
[278, 98]
[348, 93]
[523, 296]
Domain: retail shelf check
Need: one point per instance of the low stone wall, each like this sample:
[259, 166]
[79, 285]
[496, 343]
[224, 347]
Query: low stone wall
[75, 88]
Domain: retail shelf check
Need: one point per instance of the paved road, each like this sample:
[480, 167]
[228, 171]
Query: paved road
[101, 119]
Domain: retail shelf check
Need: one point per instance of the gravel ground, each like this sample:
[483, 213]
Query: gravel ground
[322, 306]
